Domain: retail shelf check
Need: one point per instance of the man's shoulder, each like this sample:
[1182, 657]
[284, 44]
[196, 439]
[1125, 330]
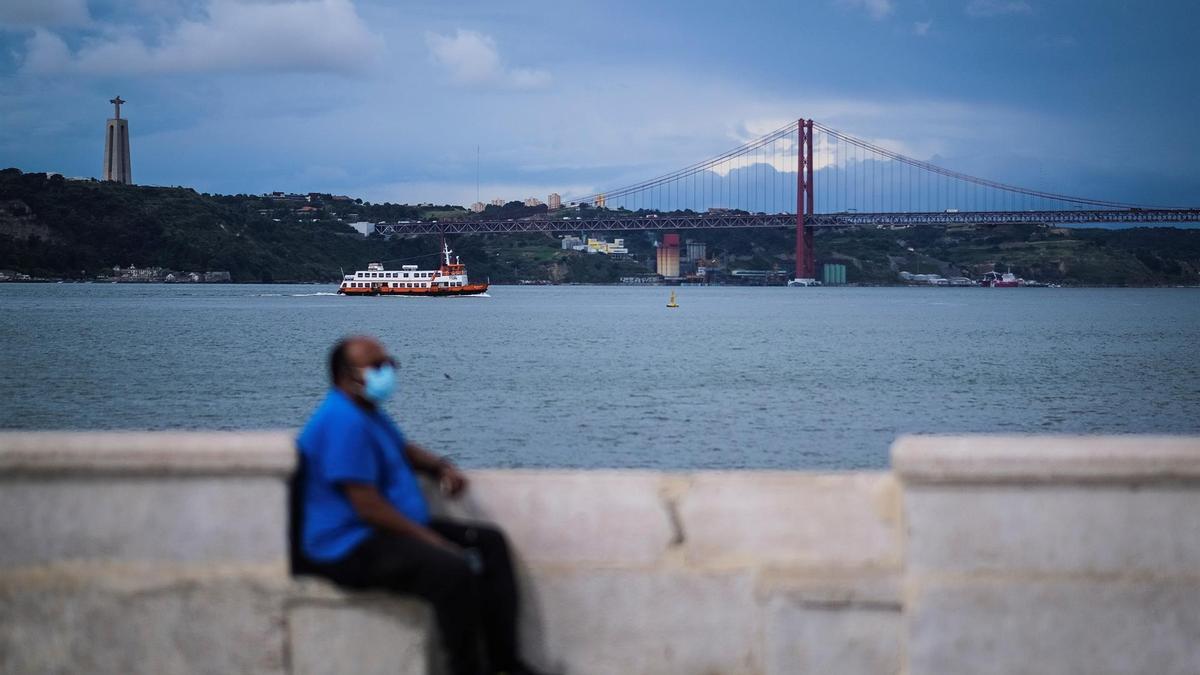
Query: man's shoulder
[336, 415]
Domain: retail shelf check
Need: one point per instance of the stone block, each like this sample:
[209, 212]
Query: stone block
[158, 453]
[1109, 528]
[835, 622]
[777, 518]
[615, 518]
[626, 622]
[836, 589]
[801, 638]
[176, 519]
[1066, 627]
[331, 631]
[145, 621]
[1046, 459]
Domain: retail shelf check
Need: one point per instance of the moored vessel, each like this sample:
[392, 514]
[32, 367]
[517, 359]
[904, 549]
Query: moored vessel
[997, 280]
[449, 279]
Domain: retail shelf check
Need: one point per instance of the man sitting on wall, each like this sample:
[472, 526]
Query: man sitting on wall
[364, 523]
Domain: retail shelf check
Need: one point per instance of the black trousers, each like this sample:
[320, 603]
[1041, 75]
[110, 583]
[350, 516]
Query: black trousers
[473, 595]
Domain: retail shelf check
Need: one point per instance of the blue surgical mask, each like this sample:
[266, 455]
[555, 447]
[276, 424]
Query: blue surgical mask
[379, 383]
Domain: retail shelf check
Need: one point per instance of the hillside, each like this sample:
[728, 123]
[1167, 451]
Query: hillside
[55, 228]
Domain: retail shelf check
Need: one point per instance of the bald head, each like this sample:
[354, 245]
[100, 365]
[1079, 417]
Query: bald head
[350, 355]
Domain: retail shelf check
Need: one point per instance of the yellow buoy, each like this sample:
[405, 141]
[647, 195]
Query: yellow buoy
[672, 303]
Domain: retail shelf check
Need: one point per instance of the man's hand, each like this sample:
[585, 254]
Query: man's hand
[451, 480]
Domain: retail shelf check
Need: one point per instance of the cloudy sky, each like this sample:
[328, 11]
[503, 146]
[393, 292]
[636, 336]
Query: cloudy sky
[390, 100]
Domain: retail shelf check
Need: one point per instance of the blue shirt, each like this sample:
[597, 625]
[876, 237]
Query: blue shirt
[344, 443]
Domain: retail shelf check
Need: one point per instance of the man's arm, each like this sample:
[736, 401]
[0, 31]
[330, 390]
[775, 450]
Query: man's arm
[377, 511]
[424, 461]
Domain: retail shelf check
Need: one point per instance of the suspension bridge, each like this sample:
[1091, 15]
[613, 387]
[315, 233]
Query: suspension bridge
[778, 179]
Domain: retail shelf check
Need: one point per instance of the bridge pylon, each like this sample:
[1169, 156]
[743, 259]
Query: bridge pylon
[806, 259]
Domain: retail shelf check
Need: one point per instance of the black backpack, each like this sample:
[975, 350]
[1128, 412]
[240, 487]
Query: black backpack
[298, 564]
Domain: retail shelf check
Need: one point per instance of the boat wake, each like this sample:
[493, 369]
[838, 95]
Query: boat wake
[310, 295]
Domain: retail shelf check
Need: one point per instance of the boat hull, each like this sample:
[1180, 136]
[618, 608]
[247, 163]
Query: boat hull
[469, 289]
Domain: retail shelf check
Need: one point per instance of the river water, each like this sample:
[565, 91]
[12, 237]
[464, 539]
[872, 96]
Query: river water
[793, 378]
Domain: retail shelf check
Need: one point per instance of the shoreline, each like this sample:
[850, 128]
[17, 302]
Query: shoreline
[526, 285]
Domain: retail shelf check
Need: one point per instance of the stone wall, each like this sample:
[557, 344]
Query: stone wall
[166, 552]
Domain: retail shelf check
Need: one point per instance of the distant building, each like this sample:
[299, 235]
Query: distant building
[616, 247]
[695, 250]
[533, 201]
[286, 197]
[497, 202]
[668, 256]
[554, 201]
[572, 243]
[116, 147]
[599, 201]
[478, 207]
[365, 228]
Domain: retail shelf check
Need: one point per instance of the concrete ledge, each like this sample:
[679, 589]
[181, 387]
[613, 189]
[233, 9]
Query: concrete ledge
[171, 518]
[1057, 626]
[1054, 529]
[1046, 459]
[331, 631]
[165, 552]
[138, 619]
[159, 453]
[602, 518]
[751, 519]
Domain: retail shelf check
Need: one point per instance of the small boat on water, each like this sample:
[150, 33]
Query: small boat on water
[449, 279]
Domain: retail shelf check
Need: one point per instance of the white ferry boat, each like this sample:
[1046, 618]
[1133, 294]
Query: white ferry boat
[449, 279]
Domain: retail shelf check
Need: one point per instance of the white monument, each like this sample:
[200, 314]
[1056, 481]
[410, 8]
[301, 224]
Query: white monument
[116, 147]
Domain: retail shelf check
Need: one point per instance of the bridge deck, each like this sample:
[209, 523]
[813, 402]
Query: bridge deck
[733, 220]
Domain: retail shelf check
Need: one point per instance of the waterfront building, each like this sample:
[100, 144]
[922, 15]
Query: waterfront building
[554, 201]
[668, 256]
[497, 202]
[116, 147]
[570, 243]
[478, 207]
[696, 250]
[533, 201]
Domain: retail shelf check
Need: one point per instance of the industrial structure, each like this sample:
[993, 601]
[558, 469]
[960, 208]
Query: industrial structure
[668, 256]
